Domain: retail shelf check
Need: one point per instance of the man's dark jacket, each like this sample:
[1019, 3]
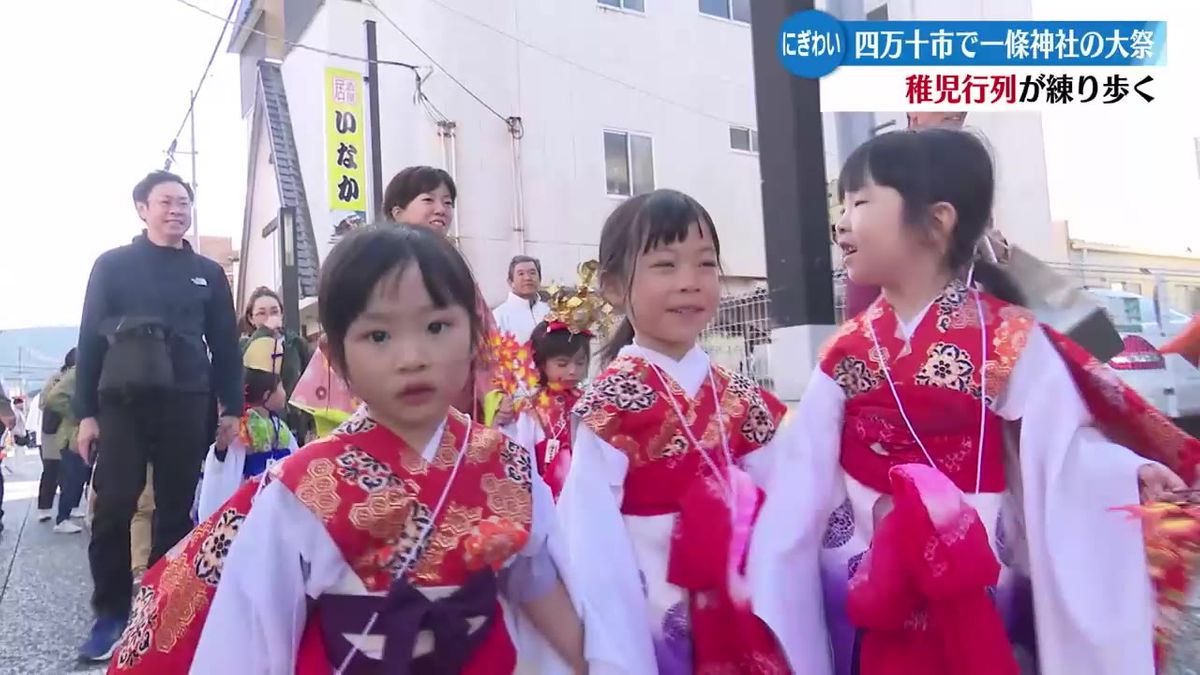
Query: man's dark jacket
[188, 293]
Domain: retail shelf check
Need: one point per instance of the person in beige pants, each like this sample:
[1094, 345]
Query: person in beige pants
[139, 528]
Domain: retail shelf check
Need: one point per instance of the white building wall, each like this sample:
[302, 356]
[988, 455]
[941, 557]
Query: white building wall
[261, 257]
[702, 66]
[673, 74]
[1022, 209]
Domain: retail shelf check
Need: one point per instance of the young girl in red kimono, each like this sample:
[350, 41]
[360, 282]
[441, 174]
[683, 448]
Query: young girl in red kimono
[960, 463]
[561, 352]
[660, 501]
[412, 540]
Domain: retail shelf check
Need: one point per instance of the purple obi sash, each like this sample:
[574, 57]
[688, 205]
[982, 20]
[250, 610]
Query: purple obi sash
[403, 613]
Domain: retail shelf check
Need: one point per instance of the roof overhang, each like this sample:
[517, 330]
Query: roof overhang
[248, 14]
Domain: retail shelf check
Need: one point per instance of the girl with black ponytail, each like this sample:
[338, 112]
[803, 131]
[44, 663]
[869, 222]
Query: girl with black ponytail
[661, 497]
[976, 454]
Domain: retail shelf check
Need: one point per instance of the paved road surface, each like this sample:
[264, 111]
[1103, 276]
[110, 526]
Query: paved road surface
[44, 583]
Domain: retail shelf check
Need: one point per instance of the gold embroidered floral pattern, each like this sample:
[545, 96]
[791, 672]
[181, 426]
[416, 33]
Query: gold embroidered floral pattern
[398, 556]
[846, 328]
[383, 513]
[139, 633]
[211, 557]
[183, 597]
[947, 366]
[507, 499]
[492, 542]
[479, 449]
[677, 446]
[317, 490]
[457, 523]
[1011, 336]
[854, 376]
[447, 452]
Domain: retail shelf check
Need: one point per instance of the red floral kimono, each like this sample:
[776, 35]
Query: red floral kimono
[944, 383]
[400, 546]
[669, 513]
[544, 425]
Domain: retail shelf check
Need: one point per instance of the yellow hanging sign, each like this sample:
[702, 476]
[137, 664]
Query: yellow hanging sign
[345, 134]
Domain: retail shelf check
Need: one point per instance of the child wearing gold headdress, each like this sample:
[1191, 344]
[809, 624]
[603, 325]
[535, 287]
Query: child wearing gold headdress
[561, 346]
[263, 438]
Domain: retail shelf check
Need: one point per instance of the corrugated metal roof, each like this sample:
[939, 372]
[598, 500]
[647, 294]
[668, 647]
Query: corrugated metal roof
[287, 172]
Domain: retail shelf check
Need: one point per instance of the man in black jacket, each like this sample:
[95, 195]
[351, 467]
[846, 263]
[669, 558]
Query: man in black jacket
[157, 276]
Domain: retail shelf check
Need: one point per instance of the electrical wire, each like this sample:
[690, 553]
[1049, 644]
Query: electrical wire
[586, 69]
[299, 45]
[196, 92]
[434, 61]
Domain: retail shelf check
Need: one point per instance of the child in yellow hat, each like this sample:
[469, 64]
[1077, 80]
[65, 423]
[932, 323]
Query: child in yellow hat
[264, 438]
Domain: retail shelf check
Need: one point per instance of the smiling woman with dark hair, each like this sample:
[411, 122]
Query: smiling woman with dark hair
[422, 196]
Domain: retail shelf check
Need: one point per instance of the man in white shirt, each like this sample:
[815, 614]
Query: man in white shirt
[523, 309]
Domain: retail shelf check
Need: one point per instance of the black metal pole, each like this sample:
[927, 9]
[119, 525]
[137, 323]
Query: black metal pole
[792, 161]
[375, 131]
[289, 289]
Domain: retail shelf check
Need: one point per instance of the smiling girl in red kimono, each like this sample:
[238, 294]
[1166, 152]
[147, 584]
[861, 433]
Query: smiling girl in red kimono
[960, 463]
[412, 540]
[659, 506]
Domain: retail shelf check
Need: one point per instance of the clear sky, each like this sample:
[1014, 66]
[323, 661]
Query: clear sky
[1131, 177]
[94, 91]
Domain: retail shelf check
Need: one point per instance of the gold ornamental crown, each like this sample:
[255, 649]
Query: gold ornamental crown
[580, 308]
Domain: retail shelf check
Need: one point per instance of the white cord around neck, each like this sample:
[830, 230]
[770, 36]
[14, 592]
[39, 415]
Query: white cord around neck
[726, 486]
[420, 541]
[982, 383]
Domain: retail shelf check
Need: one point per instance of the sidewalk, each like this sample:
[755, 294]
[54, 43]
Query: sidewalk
[44, 584]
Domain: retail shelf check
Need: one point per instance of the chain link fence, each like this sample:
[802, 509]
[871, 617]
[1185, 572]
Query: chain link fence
[739, 338]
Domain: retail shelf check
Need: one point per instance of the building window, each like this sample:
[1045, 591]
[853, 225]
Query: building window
[744, 139]
[880, 13]
[738, 10]
[628, 163]
[631, 5]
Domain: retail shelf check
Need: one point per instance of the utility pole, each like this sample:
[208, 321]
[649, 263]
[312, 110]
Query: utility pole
[375, 124]
[174, 150]
[195, 185]
[289, 290]
[853, 129]
[795, 206]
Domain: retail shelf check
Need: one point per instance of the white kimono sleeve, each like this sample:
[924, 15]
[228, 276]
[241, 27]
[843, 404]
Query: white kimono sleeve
[281, 556]
[1092, 596]
[534, 572]
[784, 563]
[220, 479]
[602, 563]
[523, 431]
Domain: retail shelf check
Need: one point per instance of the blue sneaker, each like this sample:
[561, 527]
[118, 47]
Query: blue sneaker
[106, 632]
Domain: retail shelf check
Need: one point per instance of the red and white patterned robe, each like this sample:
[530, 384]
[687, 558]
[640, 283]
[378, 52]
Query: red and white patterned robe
[263, 585]
[647, 535]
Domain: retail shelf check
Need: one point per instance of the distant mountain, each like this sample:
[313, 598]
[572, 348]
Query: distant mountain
[30, 355]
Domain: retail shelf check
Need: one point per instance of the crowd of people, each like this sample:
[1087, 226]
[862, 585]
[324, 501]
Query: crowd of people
[943, 500]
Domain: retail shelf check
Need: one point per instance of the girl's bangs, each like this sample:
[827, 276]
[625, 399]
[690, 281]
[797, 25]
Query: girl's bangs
[666, 218]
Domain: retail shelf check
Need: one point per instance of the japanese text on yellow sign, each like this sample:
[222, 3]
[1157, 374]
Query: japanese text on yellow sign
[344, 134]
